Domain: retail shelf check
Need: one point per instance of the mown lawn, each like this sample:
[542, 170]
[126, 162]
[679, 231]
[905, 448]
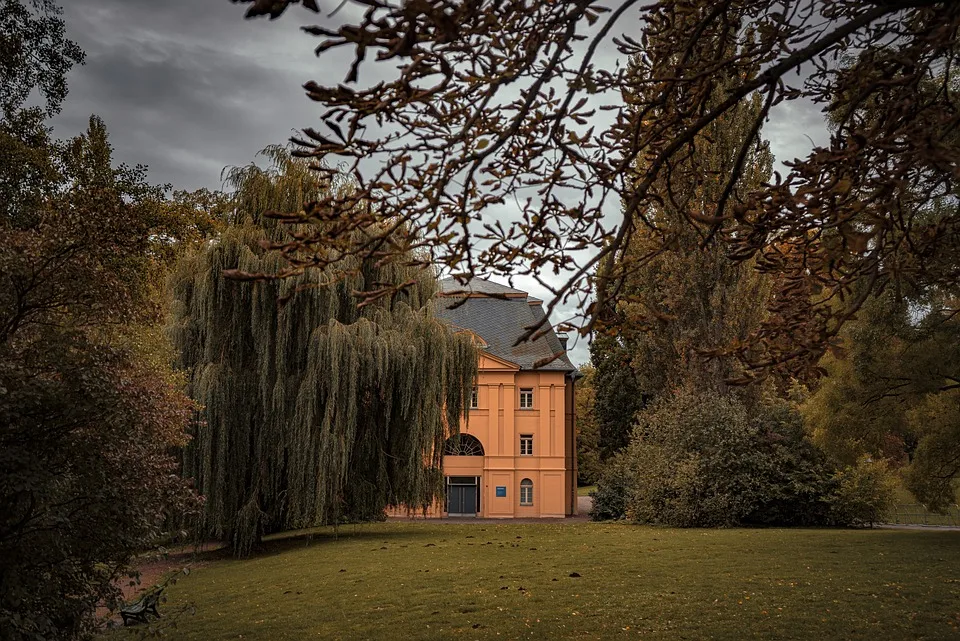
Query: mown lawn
[581, 580]
[907, 510]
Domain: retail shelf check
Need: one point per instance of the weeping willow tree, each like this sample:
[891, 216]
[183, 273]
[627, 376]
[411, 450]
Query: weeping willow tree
[314, 410]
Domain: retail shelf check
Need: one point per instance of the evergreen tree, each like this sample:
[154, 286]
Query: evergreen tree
[616, 393]
[317, 410]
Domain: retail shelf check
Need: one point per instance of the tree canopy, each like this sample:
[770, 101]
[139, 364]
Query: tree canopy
[90, 411]
[676, 306]
[491, 103]
[317, 410]
[892, 393]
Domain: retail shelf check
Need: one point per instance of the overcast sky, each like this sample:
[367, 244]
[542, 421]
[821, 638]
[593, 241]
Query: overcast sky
[189, 87]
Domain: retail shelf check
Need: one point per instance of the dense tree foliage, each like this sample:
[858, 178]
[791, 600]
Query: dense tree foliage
[495, 103]
[318, 410]
[90, 410]
[892, 393]
[587, 428]
[894, 379]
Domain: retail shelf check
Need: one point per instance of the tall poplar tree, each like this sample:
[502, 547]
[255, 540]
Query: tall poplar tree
[315, 410]
[679, 304]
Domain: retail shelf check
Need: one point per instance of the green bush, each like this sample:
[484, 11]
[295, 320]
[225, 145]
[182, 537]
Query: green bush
[700, 459]
[865, 493]
[797, 480]
[614, 487]
[696, 462]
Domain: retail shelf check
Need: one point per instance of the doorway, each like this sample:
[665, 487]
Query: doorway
[463, 495]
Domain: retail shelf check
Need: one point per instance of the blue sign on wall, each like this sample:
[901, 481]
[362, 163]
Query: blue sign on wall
[501, 490]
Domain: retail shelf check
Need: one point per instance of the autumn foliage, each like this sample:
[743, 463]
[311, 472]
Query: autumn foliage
[486, 106]
[90, 412]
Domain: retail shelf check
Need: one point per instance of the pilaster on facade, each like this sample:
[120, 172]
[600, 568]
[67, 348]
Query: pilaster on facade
[514, 455]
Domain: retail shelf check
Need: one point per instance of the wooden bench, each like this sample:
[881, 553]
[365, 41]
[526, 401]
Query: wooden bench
[137, 612]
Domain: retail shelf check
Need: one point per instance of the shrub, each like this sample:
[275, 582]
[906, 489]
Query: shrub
[614, 487]
[697, 459]
[797, 480]
[696, 462]
[865, 493]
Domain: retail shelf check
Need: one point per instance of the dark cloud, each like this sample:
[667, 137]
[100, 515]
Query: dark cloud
[188, 87]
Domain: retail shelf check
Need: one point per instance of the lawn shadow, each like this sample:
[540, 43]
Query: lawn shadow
[281, 542]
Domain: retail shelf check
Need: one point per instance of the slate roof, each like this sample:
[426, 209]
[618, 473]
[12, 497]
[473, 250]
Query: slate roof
[500, 321]
[478, 286]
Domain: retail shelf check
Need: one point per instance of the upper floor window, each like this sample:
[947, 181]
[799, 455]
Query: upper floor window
[526, 398]
[526, 445]
[526, 492]
[474, 399]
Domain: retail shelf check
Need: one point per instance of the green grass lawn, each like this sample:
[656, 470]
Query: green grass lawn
[586, 489]
[907, 510]
[916, 514]
[581, 580]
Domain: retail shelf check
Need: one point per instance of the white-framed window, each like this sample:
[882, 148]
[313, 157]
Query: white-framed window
[474, 399]
[526, 445]
[526, 398]
[526, 492]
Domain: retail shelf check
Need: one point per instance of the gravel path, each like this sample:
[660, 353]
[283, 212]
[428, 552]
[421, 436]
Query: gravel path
[584, 505]
[917, 526]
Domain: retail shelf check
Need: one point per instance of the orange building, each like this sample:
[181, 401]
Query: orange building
[516, 452]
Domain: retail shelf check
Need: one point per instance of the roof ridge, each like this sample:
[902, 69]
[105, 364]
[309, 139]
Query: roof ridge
[480, 287]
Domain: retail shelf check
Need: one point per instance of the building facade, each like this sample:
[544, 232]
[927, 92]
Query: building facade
[515, 455]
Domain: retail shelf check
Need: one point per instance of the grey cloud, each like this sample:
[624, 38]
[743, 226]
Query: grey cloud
[794, 128]
[187, 97]
[188, 87]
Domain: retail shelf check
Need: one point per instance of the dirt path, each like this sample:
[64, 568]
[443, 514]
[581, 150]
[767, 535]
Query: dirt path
[155, 569]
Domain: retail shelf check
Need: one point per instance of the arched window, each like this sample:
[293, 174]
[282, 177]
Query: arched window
[526, 492]
[463, 445]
